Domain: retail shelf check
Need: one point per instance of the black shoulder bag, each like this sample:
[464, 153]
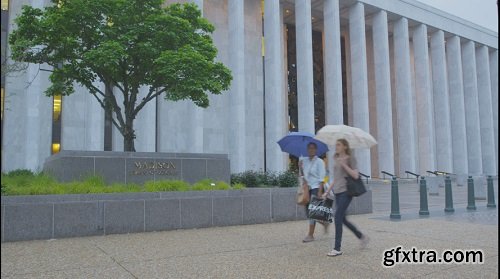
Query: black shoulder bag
[355, 187]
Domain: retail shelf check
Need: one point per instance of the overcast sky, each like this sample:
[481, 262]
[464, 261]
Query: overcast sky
[481, 12]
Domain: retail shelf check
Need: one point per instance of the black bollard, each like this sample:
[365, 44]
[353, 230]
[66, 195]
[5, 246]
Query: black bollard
[491, 193]
[448, 195]
[394, 199]
[471, 203]
[424, 208]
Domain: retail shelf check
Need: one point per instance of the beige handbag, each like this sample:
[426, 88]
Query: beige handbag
[302, 193]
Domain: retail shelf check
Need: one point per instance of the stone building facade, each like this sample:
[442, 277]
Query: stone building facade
[423, 82]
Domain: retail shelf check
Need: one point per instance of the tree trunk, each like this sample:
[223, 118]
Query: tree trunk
[129, 135]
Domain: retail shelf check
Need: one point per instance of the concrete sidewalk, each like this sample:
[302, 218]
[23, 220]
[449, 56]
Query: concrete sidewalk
[264, 251]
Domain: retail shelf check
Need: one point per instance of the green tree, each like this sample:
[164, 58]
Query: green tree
[125, 44]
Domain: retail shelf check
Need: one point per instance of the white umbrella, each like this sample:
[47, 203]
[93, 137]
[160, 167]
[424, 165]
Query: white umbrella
[356, 137]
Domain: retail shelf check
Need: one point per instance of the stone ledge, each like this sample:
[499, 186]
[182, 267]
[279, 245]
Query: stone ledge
[60, 216]
[137, 167]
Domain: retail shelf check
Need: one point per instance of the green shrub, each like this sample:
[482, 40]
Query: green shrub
[20, 172]
[272, 179]
[265, 179]
[287, 179]
[166, 186]
[236, 178]
[250, 179]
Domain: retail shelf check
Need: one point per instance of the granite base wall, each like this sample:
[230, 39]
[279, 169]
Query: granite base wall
[137, 167]
[61, 216]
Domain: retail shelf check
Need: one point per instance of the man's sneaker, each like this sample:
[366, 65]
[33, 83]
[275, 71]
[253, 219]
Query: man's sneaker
[364, 241]
[334, 253]
[308, 239]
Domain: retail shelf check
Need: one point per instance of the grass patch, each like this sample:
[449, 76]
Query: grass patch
[23, 182]
[166, 186]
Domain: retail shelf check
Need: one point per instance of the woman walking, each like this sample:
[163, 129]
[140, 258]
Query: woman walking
[312, 170]
[344, 164]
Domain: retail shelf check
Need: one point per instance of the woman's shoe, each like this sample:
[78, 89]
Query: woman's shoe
[308, 239]
[334, 253]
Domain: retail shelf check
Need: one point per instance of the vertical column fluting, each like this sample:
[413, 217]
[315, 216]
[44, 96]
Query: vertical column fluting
[423, 91]
[405, 117]
[485, 111]
[441, 103]
[457, 108]
[359, 79]
[333, 64]
[274, 95]
[196, 117]
[236, 25]
[472, 125]
[383, 92]
[494, 96]
[305, 86]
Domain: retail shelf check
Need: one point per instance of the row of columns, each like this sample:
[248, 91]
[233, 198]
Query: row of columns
[453, 85]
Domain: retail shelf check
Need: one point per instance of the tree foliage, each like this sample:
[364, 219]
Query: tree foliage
[126, 44]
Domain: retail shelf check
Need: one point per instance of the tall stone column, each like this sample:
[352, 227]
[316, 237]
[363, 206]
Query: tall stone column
[276, 126]
[441, 103]
[94, 121]
[236, 22]
[38, 123]
[457, 109]
[383, 92]
[485, 111]
[305, 86]
[333, 64]
[82, 115]
[334, 109]
[423, 88]
[196, 115]
[494, 96]
[359, 76]
[405, 117]
[474, 151]
[145, 124]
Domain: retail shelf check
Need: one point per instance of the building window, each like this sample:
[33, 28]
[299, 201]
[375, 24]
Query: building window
[5, 5]
[56, 124]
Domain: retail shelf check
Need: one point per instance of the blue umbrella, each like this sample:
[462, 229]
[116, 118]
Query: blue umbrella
[295, 143]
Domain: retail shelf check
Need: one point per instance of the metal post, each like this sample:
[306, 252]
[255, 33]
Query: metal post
[424, 209]
[448, 195]
[491, 193]
[471, 202]
[394, 199]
